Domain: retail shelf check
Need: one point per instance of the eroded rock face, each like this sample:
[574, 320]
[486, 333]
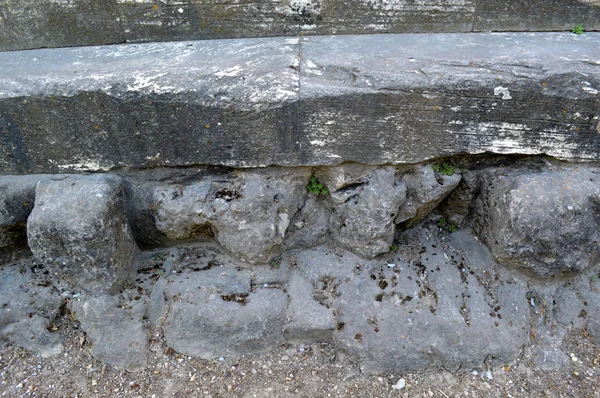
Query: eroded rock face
[362, 218]
[28, 305]
[79, 230]
[218, 316]
[115, 330]
[426, 189]
[248, 215]
[546, 223]
[439, 304]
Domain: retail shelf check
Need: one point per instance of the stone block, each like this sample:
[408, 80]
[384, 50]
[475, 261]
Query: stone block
[79, 230]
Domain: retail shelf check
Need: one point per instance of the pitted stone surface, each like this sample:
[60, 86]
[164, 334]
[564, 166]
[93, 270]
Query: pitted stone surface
[362, 218]
[79, 230]
[314, 101]
[424, 306]
[248, 216]
[115, 330]
[544, 223]
[207, 321]
[309, 321]
[28, 306]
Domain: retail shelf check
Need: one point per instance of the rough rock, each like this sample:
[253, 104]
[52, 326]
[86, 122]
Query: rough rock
[17, 195]
[362, 217]
[248, 216]
[435, 307]
[544, 223]
[315, 101]
[209, 320]
[309, 321]
[79, 230]
[426, 189]
[310, 225]
[29, 304]
[115, 330]
[48, 23]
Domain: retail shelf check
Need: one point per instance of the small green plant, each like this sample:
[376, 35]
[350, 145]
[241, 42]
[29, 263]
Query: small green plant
[446, 226]
[394, 248]
[275, 264]
[444, 168]
[314, 186]
[578, 29]
[128, 284]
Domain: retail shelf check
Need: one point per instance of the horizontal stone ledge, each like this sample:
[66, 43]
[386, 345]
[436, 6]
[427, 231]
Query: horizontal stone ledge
[313, 101]
[27, 24]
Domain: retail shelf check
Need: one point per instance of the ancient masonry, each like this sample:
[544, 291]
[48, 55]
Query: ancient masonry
[428, 196]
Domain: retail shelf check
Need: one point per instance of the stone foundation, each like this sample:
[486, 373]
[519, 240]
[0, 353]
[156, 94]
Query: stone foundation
[450, 263]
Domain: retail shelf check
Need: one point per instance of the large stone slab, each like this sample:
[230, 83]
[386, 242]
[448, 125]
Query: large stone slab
[371, 99]
[543, 223]
[536, 15]
[441, 301]
[407, 98]
[28, 24]
[210, 322]
[79, 230]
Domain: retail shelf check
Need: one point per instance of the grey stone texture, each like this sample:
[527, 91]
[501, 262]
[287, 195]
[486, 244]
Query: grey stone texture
[426, 189]
[308, 321]
[544, 223]
[362, 217]
[17, 195]
[209, 320]
[79, 230]
[114, 328]
[29, 304]
[32, 24]
[248, 216]
[442, 302]
[310, 101]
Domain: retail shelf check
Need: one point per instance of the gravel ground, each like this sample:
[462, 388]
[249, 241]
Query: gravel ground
[300, 371]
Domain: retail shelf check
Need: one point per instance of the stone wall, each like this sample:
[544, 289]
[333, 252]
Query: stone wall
[27, 24]
[449, 263]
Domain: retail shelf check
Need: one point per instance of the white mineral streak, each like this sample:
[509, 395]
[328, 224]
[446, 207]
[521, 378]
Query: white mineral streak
[502, 91]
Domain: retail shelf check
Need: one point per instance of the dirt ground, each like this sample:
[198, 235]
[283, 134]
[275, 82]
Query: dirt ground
[312, 371]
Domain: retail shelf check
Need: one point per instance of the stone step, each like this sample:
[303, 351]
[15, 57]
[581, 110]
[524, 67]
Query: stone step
[27, 24]
[308, 101]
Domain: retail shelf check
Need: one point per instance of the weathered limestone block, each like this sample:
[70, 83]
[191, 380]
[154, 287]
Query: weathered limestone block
[28, 24]
[114, 329]
[28, 305]
[227, 321]
[426, 189]
[79, 230]
[47, 23]
[450, 306]
[536, 15]
[17, 195]
[318, 101]
[248, 216]
[310, 226]
[309, 321]
[545, 223]
[363, 214]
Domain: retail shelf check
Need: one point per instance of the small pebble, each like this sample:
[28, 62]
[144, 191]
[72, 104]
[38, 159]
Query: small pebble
[399, 385]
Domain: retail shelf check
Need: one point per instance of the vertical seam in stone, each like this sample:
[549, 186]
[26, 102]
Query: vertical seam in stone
[474, 16]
